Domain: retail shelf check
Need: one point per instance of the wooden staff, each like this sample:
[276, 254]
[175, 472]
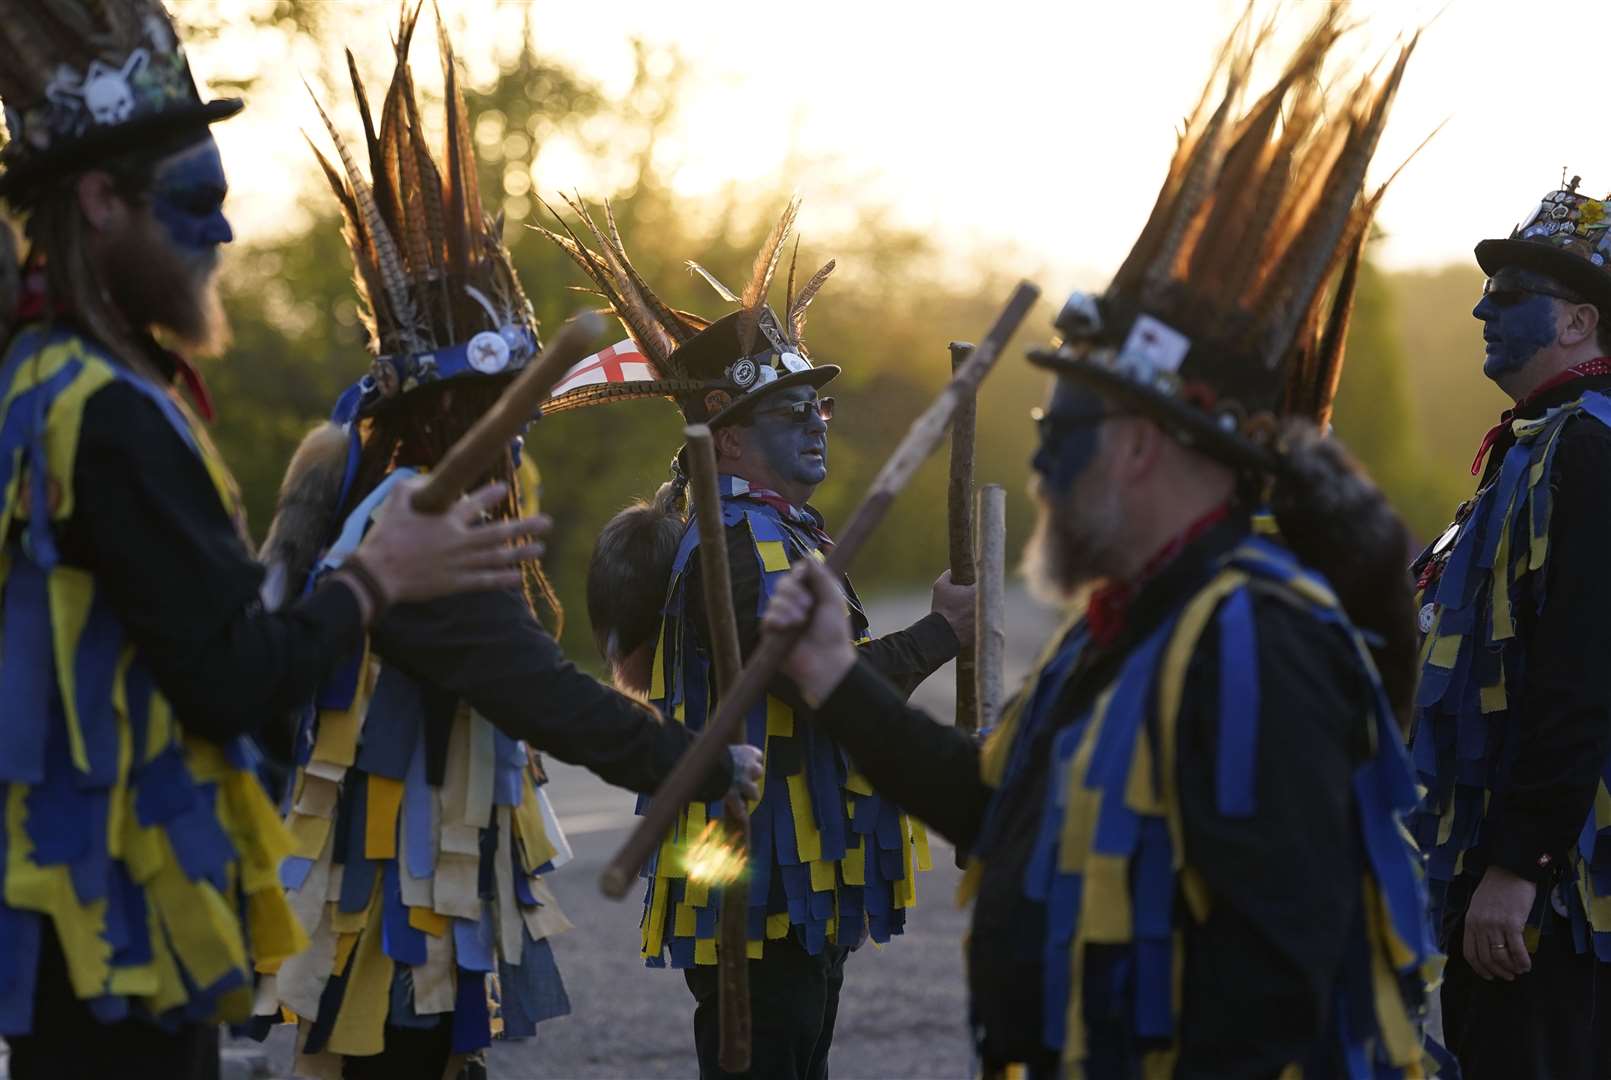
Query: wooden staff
[477, 449]
[990, 625]
[960, 511]
[921, 440]
[733, 983]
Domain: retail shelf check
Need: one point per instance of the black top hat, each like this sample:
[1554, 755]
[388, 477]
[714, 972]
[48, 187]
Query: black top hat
[1567, 237]
[115, 79]
[715, 371]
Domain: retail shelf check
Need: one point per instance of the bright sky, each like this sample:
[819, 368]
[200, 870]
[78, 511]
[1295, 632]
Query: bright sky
[1031, 132]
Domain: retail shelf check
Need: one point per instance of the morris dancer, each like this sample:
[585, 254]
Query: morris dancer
[1184, 844]
[420, 825]
[831, 862]
[136, 662]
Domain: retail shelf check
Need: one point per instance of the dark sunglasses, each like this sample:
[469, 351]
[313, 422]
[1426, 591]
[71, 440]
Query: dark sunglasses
[800, 412]
[1510, 296]
[1051, 425]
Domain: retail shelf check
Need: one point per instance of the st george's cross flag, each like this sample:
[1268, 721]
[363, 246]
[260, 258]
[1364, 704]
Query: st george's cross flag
[620, 363]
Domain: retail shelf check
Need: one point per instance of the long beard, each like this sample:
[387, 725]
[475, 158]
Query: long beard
[156, 284]
[1075, 543]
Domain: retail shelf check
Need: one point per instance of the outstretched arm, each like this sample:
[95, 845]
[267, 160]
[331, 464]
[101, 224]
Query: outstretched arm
[931, 770]
[489, 650]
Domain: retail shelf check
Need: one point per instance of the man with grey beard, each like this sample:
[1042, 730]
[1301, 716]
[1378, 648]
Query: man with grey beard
[1183, 838]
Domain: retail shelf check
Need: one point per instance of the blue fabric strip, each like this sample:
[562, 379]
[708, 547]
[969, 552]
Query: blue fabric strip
[472, 1022]
[1237, 762]
[473, 942]
[399, 940]
[394, 725]
[26, 670]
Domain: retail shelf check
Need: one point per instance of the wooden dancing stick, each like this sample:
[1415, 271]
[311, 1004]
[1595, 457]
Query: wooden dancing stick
[921, 440]
[733, 983]
[959, 500]
[478, 448]
[990, 626]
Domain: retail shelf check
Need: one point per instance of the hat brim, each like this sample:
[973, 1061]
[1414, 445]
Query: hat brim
[1188, 424]
[816, 378]
[1576, 273]
[168, 131]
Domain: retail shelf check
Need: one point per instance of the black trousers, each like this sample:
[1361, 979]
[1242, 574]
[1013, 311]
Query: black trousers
[794, 1000]
[1554, 1023]
[408, 1054]
[67, 1040]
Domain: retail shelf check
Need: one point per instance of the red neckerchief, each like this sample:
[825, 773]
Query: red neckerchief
[1598, 366]
[34, 304]
[791, 512]
[1109, 605]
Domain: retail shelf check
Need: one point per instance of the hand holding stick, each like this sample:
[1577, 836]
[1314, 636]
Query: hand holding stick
[478, 448]
[920, 441]
[960, 511]
[733, 993]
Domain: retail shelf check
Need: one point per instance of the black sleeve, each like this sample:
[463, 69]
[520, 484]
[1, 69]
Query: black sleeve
[147, 522]
[905, 658]
[490, 651]
[909, 656]
[1285, 882]
[931, 770]
[1564, 717]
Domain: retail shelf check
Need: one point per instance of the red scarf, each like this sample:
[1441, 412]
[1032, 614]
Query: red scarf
[1599, 366]
[1109, 606]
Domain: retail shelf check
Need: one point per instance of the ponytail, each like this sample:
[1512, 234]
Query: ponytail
[630, 568]
[1339, 523]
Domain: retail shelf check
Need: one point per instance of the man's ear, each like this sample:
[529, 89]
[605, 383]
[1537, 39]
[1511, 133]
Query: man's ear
[1137, 443]
[99, 200]
[1582, 322]
[729, 442]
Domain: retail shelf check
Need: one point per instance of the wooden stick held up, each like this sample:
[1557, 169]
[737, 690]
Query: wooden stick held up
[478, 449]
[921, 440]
[733, 977]
[959, 501]
[990, 626]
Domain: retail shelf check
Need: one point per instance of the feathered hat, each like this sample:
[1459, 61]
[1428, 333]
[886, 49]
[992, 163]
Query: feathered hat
[1232, 309]
[438, 293]
[715, 371]
[1567, 237]
[86, 80]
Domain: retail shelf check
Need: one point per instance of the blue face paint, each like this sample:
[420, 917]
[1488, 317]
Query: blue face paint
[1518, 316]
[187, 196]
[795, 450]
[1071, 435]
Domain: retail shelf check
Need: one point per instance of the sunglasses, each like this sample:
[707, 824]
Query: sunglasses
[1509, 296]
[800, 412]
[1051, 425]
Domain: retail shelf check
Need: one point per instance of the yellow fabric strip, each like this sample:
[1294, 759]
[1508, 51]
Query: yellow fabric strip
[67, 417]
[308, 835]
[779, 718]
[823, 877]
[71, 592]
[1105, 900]
[683, 924]
[380, 817]
[705, 950]
[777, 926]
[857, 784]
[854, 864]
[361, 1020]
[773, 555]
[920, 837]
[427, 920]
[807, 840]
[345, 943]
[1493, 698]
[529, 826]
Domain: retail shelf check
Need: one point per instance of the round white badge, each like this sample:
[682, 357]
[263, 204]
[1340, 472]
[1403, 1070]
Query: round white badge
[488, 352]
[1428, 613]
[743, 374]
[794, 361]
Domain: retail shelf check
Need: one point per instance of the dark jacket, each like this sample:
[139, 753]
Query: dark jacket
[1285, 883]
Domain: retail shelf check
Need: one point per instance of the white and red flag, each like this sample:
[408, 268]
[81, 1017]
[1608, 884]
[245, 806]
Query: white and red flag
[620, 363]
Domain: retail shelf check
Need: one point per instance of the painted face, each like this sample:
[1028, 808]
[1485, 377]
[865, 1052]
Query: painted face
[1518, 313]
[187, 197]
[1070, 435]
[793, 443]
